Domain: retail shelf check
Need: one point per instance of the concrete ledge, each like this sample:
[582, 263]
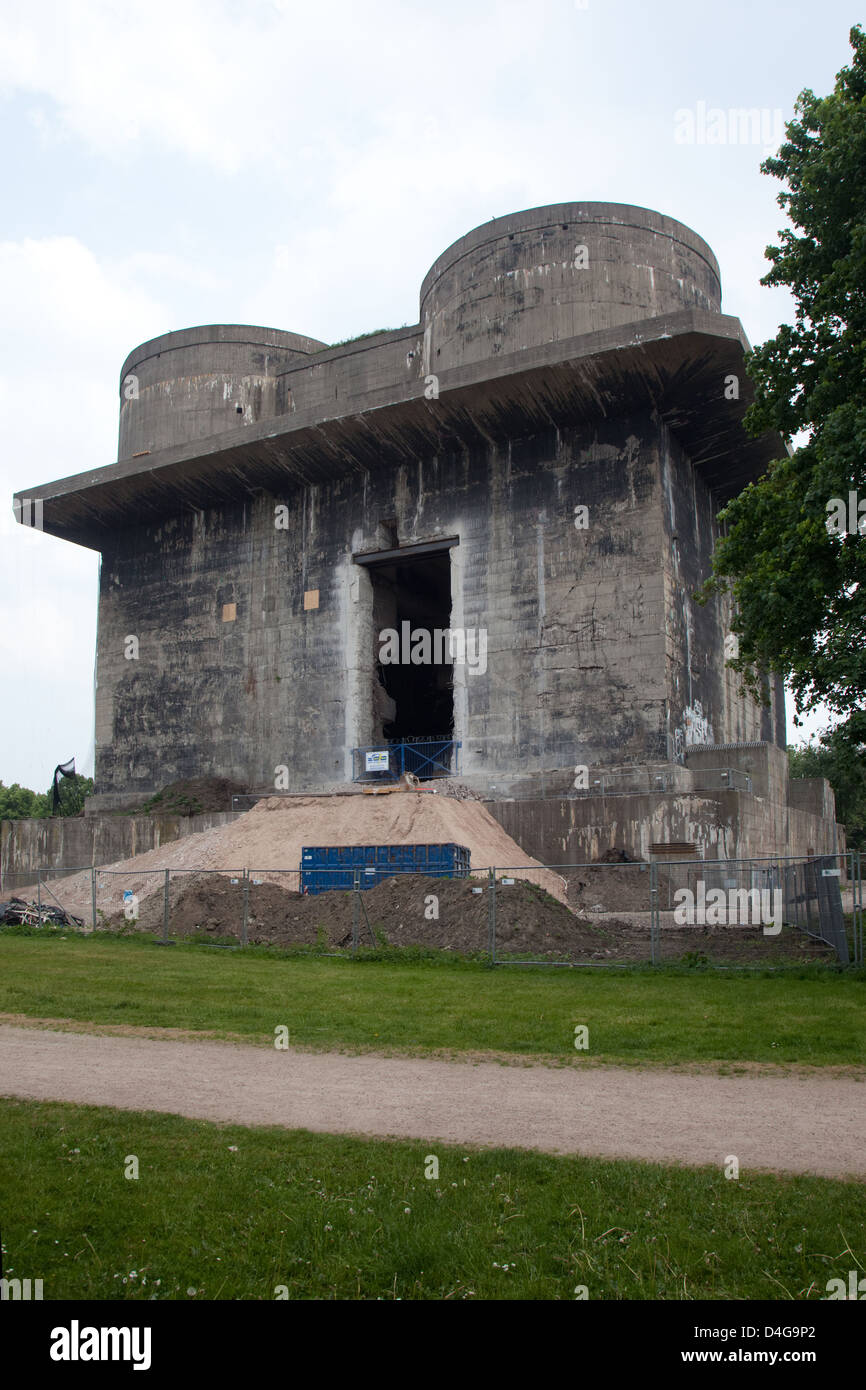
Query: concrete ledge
[721, 825]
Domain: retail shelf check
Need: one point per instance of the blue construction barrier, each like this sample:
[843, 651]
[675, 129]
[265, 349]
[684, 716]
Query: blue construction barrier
[424, 758]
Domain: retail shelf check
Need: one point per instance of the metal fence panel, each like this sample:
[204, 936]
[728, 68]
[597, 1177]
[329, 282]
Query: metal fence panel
[612, 913]
[426, 759]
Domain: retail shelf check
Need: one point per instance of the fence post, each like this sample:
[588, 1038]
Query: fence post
[860, 906]
[861, 902]
[356, 909]
[93, 895]
[654, 907]
[857, 904]
[246, 914]
[165, 907]
[39, 895]
[491, 915]
[848, 871]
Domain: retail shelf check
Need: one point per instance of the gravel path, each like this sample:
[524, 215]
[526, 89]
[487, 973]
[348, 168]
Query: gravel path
[787, 1124]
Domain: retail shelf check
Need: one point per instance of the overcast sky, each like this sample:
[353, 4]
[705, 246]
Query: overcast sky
[300, 166]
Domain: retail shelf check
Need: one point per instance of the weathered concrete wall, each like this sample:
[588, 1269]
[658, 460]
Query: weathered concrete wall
[579, 830]
[728, 825]
[257, 641]
[813, 794]
[705, 701]
[201, 381]
[536, 277]
[552, 829]
[76, 842]
[765, 763]
[814, 834]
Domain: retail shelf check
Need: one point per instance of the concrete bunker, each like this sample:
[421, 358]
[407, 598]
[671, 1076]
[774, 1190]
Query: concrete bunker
[579, 357]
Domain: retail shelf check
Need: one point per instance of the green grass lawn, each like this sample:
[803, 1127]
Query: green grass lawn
[809, 1015]
[230, 1212]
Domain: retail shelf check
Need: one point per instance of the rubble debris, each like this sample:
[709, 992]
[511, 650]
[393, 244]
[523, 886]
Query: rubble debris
[20, 912]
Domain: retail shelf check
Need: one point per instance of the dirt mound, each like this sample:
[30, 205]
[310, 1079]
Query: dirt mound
[190, 797]
[527, 918]
[611, 887]
[451, 915]
[406, 910]
[268, 840]
[213, 904]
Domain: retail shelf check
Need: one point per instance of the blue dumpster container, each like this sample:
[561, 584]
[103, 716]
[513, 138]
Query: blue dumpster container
[325, 867]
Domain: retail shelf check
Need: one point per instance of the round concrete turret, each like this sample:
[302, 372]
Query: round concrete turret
[557, 272]
[200, 381]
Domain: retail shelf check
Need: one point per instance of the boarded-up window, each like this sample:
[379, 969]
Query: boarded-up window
[311, 598]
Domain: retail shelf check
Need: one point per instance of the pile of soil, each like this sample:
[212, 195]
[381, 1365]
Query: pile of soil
[213, 904]
[189, 797]
[268, 840]
[612, 887]
[397, 912]
[527, 918]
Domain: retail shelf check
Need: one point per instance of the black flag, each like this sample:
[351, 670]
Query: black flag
[61, 770]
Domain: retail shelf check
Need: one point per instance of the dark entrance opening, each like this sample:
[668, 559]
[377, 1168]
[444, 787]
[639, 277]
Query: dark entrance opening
[412, 596]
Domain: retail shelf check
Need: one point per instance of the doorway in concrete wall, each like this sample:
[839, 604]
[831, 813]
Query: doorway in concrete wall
[413, 689]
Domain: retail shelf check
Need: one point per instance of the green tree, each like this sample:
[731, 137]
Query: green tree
[72, 791]
[797, 588]
[19, 803]
[844, 767]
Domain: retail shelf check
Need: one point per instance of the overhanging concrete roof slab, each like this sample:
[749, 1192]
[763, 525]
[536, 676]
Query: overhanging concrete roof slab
[675, 365]
[373, 558]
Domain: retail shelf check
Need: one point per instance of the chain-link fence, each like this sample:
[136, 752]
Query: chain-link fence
[42, 898]
[742, 912]
[759, 910]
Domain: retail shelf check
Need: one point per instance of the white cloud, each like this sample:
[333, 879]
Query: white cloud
[66, 320]
[81, 308]
[234, 85]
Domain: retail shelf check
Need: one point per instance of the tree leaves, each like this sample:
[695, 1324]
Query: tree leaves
[797, 588]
